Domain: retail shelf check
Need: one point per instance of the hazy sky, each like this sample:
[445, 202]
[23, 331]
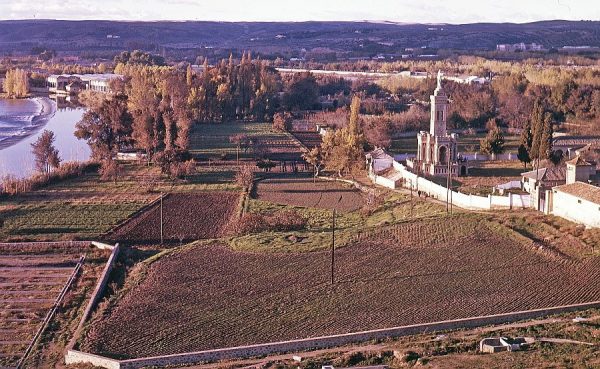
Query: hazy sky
[417, 11]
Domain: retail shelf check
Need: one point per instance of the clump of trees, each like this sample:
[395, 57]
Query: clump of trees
[536, 137]
[138, 57]
[342, 150]
[16, 84]
[245, 91]
[45, 154]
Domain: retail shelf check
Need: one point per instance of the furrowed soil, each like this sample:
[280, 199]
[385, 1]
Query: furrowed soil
[186, 217]
[208, 296]
[308, 193]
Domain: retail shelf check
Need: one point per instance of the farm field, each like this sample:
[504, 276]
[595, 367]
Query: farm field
[305, 192]
[186, 217]
[81, 208]
[212, 141]
[413, 272]
[308, 139]
[31, 279]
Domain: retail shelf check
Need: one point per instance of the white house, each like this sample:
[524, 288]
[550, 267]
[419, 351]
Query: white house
[578, 202]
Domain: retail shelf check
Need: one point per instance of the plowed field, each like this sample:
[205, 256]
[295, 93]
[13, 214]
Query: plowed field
[207, 297]
[186, 217]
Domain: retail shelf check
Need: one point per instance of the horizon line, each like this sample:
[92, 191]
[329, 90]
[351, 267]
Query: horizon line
[378, 21]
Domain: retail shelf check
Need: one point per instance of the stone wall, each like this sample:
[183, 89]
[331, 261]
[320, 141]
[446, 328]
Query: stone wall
[319, 342]
[100, 286]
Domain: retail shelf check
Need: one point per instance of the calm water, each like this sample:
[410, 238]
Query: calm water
[23, 121]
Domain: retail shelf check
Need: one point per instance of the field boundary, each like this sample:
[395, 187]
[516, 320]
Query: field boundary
[78, 357]
[134, 216]
[98, 290]
[52, 311]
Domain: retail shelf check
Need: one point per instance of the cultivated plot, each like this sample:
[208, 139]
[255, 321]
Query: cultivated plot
[29, 286]
[209, 296]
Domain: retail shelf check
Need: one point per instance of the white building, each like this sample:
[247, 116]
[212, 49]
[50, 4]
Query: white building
[578, 202]
[69, 84]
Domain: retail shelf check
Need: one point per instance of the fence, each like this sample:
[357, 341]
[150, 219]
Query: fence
[467, 201]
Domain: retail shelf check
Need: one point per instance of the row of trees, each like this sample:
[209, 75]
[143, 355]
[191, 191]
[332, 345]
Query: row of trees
[16, 84]
[246, 91]
[536, 137]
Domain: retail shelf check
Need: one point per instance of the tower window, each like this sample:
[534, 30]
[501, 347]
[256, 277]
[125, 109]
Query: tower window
[440, 114]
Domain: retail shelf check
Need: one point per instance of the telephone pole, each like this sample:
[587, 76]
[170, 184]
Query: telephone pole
[333, 248]
[161, 218]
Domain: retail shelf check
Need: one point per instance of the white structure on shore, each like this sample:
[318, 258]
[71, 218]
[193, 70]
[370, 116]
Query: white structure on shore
[70, 84]
[437, 150]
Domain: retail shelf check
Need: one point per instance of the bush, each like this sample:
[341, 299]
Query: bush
[287, 220]
[11, 185]
[281, 221]
[249, 223]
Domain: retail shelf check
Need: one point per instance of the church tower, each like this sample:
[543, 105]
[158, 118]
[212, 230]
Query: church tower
[439, 109]
[437, 150]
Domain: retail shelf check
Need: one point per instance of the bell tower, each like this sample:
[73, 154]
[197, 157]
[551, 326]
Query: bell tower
[439, 109]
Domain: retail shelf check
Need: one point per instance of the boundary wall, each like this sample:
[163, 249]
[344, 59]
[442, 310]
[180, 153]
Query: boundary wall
[74, 357]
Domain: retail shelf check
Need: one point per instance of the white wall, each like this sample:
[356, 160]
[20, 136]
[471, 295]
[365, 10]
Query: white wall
[458, 199]
[567, 206]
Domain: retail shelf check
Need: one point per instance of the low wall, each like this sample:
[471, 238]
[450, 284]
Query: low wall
[465, 201]
[319, 342]
[45, 244]
[100, 286]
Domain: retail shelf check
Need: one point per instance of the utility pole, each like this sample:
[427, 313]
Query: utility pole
[448, 187]
[412, 204]
[333, 248]
[161, 218]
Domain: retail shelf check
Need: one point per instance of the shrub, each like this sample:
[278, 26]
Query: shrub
[11, 185]
[249, 223]
[281, 221]
[244, 176]
[287, 220]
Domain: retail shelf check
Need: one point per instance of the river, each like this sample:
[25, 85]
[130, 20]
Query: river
[22, 122]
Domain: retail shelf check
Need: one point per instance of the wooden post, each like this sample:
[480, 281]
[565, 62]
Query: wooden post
[333, 249]
[161, 219]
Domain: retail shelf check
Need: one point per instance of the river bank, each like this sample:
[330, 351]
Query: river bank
[21, 123]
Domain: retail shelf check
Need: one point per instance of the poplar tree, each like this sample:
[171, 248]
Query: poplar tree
[45, 154]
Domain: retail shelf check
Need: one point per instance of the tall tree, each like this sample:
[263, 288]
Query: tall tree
[526, 139]
[45, 154]
[493, 143]
[536, 120]
[106, 128]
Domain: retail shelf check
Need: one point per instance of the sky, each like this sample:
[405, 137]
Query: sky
[405, 11]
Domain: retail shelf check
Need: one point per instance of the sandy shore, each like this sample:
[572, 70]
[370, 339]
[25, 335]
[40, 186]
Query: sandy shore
[47, 110]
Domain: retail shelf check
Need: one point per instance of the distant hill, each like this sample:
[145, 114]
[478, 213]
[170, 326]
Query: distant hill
[354, 38]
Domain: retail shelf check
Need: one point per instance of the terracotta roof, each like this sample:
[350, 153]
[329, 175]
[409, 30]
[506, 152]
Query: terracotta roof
[579, 162]
[582, 190]
[547, 174]
[573, 141]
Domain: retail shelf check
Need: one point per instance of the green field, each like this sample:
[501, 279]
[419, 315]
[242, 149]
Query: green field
[211, 140]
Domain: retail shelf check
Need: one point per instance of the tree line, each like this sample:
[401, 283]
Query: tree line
[16, 83]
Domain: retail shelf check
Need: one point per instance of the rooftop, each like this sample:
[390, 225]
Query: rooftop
[547, 174]
[582, 190]
[579, 162]
[575, 140]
